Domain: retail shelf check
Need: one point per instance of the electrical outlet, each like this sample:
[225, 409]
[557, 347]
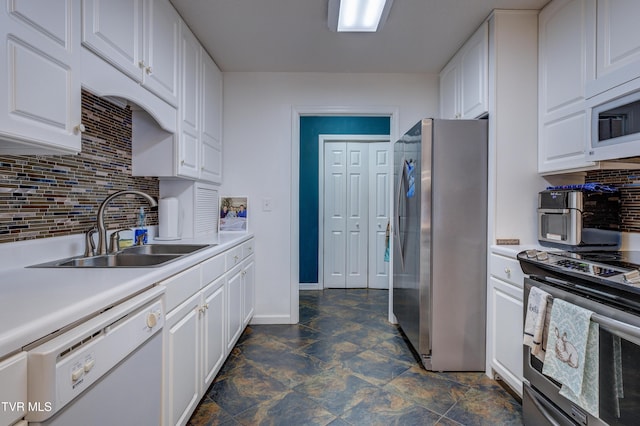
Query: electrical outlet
[267, 204]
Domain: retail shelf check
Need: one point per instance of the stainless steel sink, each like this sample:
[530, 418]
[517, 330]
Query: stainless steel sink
[145, 256]
[150, 249]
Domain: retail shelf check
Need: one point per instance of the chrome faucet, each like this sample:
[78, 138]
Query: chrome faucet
[102, 231]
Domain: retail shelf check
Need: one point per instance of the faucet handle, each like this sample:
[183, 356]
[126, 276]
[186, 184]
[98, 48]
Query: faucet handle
[114, 245]
[89, 245]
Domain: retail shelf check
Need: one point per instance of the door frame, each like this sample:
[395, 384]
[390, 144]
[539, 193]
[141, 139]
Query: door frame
[322, 139]
[299, 111]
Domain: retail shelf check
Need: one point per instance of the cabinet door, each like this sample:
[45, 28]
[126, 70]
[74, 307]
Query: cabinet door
[474, 71]
[211, 124]
[40, 66]
[213, 338]
[234, 307]
[113, 30]
[563, 134]
[449, 91]
[505, 319]
[181, 361]
[189, 138]
[248, 291]
[161, 41]
[617, 44]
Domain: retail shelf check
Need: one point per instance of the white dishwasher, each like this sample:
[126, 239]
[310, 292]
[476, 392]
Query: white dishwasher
[105, 371]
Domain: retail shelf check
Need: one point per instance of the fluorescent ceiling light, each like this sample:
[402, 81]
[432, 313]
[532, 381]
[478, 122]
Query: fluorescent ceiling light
[358, 15]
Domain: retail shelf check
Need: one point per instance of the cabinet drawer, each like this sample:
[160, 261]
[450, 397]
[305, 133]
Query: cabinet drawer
[234, 257]
[212, 269]
[507, 269]
[181, 286]
[247, 249]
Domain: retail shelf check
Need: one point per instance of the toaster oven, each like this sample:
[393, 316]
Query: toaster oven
[579, 217]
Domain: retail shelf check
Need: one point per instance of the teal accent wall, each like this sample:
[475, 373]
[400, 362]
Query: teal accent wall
[310, 128]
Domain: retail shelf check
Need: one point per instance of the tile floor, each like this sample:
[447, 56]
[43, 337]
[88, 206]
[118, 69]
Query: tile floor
[344, 364]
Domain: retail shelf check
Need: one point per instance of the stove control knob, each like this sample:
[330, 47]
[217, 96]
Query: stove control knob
[543, 255]
[532, 253]
[632, 276]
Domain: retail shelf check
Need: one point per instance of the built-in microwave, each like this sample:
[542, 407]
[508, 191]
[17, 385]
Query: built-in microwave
[615, 128]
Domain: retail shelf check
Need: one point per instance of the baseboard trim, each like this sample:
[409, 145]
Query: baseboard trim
[270, 319]
[310, 286]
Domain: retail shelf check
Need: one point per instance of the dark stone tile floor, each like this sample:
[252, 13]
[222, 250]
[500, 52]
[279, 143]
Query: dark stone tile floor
[344, 364]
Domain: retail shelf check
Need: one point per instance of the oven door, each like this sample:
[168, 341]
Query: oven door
[619, 369]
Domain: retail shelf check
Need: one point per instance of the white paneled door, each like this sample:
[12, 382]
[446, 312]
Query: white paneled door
[379, 167]
[355, 207]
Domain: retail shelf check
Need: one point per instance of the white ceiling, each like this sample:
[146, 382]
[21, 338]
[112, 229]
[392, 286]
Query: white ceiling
[292, 35]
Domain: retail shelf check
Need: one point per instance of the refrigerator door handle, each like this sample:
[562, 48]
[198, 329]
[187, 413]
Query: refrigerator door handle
[397, 214]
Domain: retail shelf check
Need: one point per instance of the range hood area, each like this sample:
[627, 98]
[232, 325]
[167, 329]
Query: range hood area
[104, 80]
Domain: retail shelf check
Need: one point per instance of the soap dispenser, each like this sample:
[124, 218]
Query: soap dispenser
[141, 235]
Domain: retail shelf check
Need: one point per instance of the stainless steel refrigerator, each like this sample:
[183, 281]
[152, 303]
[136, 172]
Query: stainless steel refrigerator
[440, 242]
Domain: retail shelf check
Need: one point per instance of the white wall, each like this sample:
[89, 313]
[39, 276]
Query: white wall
[257, 155]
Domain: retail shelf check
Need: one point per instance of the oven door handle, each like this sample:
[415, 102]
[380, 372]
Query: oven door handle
[541, 408]
[620, 329]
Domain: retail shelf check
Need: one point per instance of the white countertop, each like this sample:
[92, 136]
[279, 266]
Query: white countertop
[38, 301]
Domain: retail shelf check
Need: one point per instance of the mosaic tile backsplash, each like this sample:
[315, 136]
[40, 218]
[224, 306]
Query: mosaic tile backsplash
[49, 196]
[629, 183]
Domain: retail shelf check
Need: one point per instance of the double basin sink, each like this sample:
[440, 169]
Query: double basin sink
[144, 256]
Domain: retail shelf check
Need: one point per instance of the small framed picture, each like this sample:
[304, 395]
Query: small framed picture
[234, 214]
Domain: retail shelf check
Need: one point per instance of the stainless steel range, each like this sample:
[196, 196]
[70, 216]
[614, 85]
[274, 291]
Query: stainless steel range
[608, 284]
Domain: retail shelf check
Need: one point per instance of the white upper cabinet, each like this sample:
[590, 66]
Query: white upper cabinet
[40, 69]
[617, 45]
[211, 120]
[565, 65]
[464, 80]
[200, 123]
[189, 105]
[195, 150]
[161, 35]
[138, 37]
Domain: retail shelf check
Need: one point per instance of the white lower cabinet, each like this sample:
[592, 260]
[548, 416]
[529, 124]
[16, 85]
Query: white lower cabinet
[240, 299]
[182, 353]
[209, 305]
[505, 323]
[234, 307]
[13, 391]
[213, 336]
[248, 290]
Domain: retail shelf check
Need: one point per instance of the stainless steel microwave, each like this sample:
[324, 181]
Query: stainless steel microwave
[615, 128]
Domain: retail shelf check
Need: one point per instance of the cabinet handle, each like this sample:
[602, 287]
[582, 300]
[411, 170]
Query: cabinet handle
[235, 259]
[148, 70]
[182, 162]
[141, 64]
[79, 128]
[507, 270]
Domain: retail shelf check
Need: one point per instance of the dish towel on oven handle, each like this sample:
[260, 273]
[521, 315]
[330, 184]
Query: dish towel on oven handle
[572, 354]
[534, 323]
